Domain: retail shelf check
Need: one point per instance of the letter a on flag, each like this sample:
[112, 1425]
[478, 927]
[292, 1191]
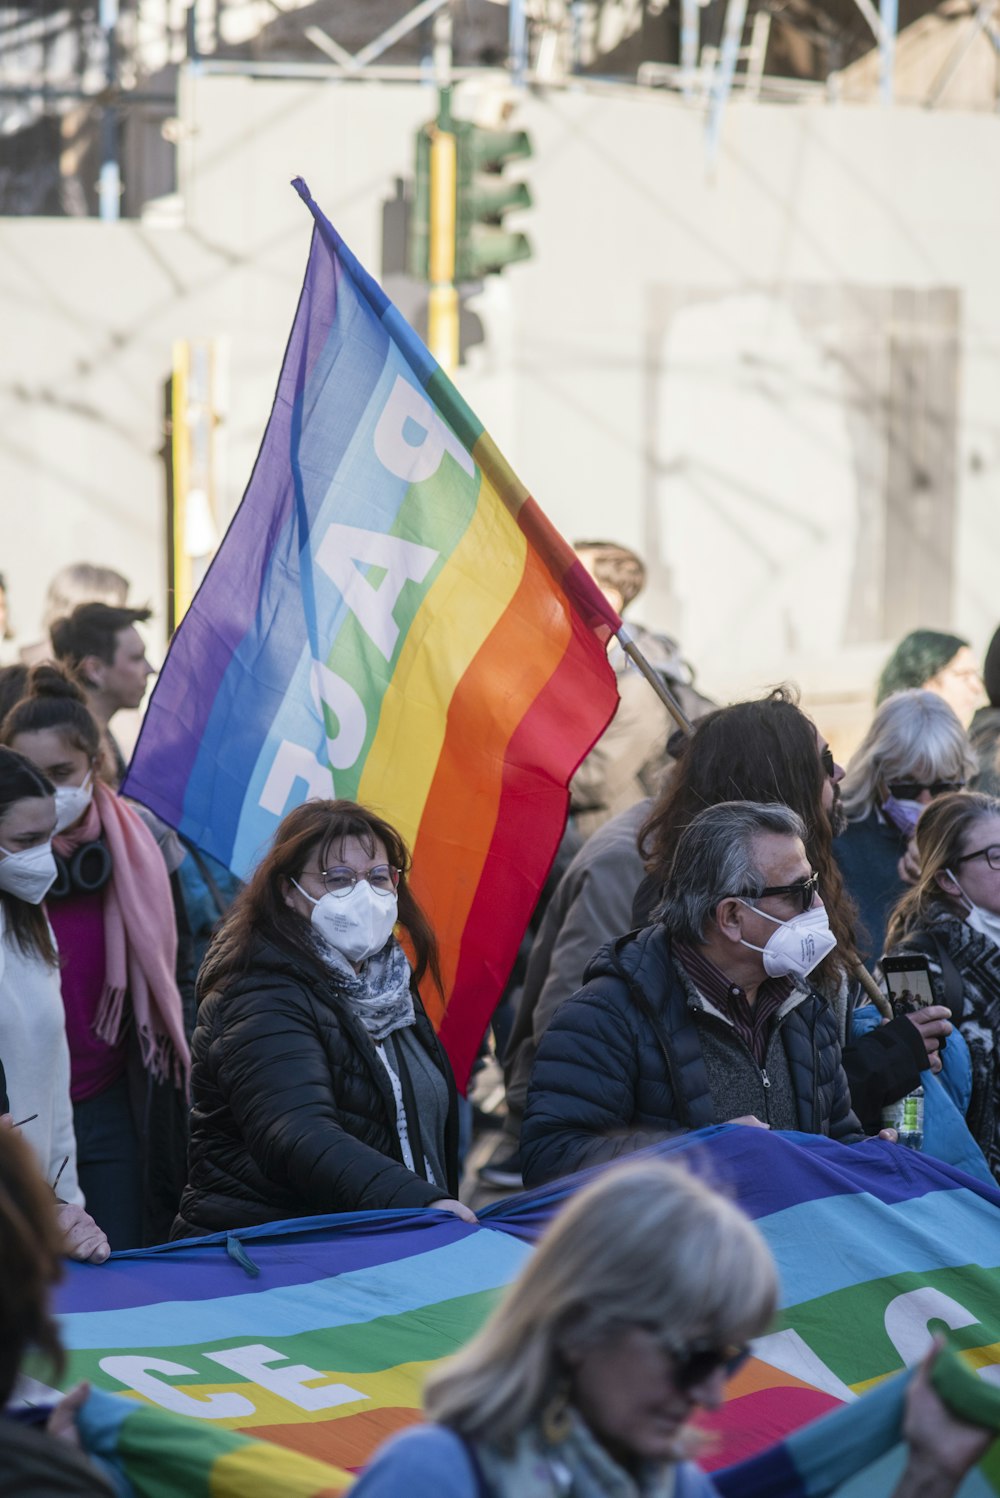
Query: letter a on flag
[390, 619]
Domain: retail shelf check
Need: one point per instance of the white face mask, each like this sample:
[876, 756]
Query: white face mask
[986, 922]
[28, 875]
[358, 924]
[72, 801]
[798, 945]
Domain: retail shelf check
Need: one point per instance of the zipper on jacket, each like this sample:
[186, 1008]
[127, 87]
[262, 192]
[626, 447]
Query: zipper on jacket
[766, 1080]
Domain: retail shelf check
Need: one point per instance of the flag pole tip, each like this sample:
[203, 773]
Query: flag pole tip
[301, 187]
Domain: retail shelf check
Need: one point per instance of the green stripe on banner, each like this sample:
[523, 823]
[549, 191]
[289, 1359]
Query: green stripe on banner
[435, 514]
[870, 1330]
[366, 1347]
[173, 1458]
[459, 414]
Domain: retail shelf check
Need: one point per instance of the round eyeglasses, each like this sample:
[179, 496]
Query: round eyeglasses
[340, 880]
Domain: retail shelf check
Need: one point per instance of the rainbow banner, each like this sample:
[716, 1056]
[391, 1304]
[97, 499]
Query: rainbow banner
[390, 618]
[316, 1335]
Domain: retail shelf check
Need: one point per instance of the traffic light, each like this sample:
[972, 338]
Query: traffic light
[483, 195]
[419, 239]
[483, 245]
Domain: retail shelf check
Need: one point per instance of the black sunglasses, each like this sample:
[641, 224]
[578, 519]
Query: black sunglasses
[826, 759]
[804, 890]
[909, 790]
[696, 1362]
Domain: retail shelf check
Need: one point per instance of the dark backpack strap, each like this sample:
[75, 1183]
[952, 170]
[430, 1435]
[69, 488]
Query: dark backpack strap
[927, 944]
[483, 1488]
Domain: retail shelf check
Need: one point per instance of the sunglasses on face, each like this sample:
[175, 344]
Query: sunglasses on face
[909, 790]
[803, 890]
[991, 854]
[828, 762]
[692, 1364]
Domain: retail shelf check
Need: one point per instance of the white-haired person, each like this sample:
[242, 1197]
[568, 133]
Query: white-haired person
[638, 1303]
[915, 749]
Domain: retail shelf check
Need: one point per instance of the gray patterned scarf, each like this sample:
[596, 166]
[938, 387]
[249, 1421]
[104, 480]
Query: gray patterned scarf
[380, 993]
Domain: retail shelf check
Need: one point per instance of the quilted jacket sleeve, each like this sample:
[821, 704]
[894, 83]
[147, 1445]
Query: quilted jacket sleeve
[834, 1093]
[276, 1078]
[582, 1099]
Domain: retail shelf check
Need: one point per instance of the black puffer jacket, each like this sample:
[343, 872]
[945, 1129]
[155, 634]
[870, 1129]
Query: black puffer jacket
[621, 1065]
[293, 1110]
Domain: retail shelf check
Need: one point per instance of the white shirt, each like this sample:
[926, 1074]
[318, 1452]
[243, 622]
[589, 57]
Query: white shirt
[35, 1058]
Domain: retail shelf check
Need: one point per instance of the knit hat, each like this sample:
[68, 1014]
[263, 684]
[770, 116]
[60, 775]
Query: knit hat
[918, 658]
[991, 671]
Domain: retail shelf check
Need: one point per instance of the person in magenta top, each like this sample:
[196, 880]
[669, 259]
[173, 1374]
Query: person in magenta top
[112, 913]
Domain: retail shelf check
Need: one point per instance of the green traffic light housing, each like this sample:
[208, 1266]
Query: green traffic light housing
[483, 245]
[419, 237]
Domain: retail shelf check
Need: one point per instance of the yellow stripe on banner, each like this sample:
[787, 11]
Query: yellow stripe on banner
[398, 1387]
[470, 596]
[258, 1471]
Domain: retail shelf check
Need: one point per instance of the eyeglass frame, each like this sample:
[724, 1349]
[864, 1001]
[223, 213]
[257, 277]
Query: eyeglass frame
[806, 889]
[342, 868]
[983, 853]
[936, 788]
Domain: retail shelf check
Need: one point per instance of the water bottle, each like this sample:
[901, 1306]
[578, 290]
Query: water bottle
[907, 1117]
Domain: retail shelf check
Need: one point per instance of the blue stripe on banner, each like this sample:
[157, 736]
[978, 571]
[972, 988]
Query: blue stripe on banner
[270, 652]
[843, 1234]
[286, 1253]
[485, 1261]
[342, 482]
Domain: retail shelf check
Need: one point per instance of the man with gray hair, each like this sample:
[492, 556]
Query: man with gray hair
[704, 1017]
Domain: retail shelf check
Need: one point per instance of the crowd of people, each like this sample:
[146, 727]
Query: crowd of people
[184, 1055]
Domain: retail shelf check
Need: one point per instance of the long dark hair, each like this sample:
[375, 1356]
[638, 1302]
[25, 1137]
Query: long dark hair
[757, 751]
[30, 1263]
[19, 781]
[260, 909]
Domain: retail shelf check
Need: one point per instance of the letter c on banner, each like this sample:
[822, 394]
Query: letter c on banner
[418, 459]
[138, 1373]
[907, 1316]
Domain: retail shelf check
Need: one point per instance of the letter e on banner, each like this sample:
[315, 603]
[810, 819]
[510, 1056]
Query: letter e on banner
[289, 1383]
[291, 762]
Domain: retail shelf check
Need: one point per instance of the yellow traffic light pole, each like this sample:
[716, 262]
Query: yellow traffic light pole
[442, 307]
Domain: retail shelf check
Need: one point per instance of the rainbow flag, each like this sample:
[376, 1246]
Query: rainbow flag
[316, 1335]
[390, 618]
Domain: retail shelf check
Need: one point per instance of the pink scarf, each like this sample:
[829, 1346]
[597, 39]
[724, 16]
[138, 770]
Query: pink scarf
[140, 937]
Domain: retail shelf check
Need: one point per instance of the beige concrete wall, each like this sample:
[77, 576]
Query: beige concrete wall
[793, 252]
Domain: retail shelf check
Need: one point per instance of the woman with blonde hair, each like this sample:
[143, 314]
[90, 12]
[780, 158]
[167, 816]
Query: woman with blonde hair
[635, 1307]
[952, 915]
[915, 750]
